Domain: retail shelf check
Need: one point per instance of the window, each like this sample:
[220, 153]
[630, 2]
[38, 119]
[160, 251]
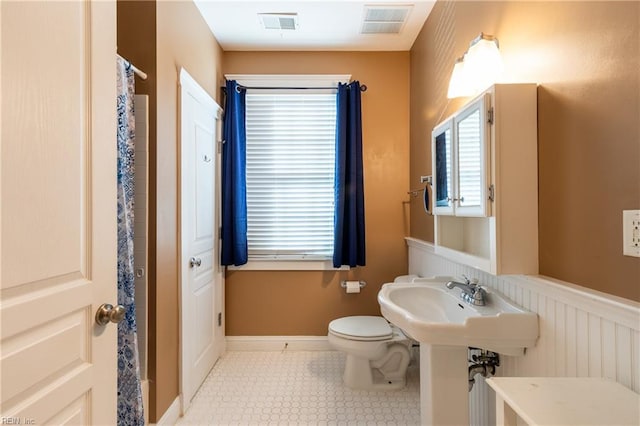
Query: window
[290, 174]
[290, 170]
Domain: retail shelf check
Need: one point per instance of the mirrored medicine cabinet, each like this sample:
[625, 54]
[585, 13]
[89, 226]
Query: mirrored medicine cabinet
[485, 181]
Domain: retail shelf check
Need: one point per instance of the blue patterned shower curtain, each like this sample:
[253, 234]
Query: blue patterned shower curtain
[130, 410]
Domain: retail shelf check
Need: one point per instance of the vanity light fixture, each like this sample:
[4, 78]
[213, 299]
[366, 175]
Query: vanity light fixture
[479, 67]
[459, 83]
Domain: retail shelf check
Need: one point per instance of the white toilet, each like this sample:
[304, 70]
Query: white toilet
[378, 352]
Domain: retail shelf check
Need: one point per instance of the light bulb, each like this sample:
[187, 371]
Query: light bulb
[483, 63]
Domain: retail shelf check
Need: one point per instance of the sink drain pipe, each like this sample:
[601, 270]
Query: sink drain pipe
[485, 364]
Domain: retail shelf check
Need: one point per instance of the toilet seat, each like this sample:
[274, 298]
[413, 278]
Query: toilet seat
[361, 328]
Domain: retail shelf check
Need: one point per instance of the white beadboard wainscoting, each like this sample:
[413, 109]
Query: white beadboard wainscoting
[583, 332]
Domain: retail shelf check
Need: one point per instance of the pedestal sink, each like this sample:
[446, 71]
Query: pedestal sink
[446, 326]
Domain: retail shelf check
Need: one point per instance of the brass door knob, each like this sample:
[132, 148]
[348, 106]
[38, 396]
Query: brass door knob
[107, 313]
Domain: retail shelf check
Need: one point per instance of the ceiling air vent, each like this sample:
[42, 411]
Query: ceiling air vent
[279, 21]
[384, 19]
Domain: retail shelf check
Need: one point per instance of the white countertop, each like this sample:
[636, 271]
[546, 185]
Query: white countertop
[567, 400]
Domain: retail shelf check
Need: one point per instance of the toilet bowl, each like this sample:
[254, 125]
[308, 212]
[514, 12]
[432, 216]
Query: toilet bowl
[378, 353]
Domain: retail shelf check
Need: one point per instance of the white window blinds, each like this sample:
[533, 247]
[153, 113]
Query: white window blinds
[290, 174]
[470, 160]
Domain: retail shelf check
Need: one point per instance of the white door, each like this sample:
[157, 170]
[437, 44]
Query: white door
[58, 214]
[201, 308]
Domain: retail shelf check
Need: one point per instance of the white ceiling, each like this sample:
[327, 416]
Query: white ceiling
[322, 25]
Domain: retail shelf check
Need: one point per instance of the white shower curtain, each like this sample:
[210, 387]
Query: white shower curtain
[130, 409]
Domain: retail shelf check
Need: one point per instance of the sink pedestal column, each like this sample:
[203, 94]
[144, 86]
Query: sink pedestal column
[444, 388]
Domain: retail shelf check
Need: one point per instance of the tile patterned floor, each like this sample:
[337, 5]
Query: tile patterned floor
[296, 388]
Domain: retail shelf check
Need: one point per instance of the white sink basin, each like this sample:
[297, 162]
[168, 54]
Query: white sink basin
[431, 313]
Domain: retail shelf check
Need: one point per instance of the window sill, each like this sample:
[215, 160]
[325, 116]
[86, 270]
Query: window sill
[288, 265]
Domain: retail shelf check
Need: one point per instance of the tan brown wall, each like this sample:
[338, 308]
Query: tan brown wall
[303, 303]
[161, 37]
[184, 40]
[586, 58]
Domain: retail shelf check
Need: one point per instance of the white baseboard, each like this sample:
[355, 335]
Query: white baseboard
[277, 343]
[144, 385]
[171, 416]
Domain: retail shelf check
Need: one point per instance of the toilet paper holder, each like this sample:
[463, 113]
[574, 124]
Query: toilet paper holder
[343, 284]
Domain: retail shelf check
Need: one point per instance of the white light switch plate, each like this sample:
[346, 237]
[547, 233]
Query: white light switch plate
[631, 232]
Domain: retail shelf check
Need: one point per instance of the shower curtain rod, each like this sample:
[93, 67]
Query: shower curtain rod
[137, 71]
[363, 88]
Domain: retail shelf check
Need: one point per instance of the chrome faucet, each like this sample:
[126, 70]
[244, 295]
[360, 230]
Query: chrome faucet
[472, 293]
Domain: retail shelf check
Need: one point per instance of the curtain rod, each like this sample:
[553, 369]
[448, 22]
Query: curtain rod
[137, 71]
[363, 88]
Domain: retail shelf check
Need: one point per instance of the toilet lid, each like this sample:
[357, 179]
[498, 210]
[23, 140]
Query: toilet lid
[362, 328]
